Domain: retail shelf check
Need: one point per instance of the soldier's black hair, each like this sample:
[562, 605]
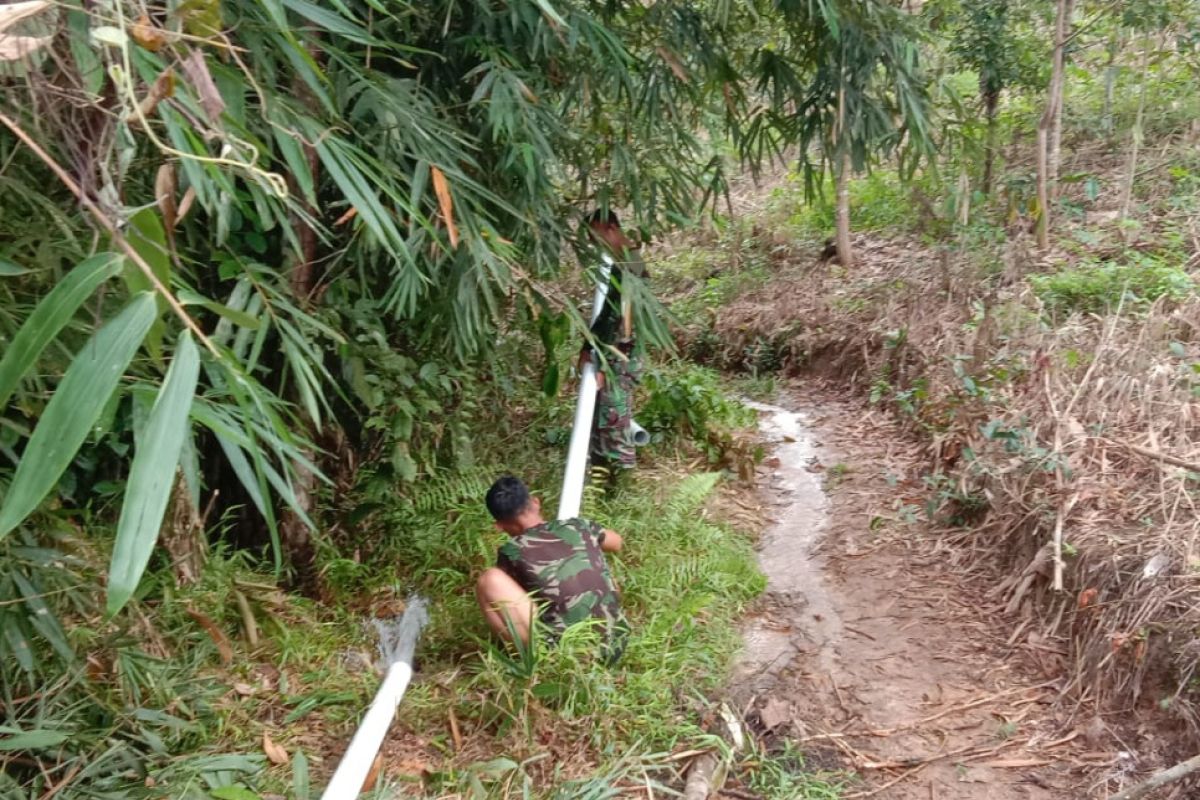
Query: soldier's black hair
[507, 498]
[603, 217]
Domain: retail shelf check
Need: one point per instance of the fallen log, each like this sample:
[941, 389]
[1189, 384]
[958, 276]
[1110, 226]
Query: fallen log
[1180, 770]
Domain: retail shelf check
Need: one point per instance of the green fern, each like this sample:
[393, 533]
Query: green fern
[692, 491]
[447, 490]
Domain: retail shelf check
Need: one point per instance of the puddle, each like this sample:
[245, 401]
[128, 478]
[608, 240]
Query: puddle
[799, 615]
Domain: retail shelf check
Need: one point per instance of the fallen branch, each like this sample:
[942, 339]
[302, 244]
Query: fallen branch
[883, 732]
[1174, 461]
[739, 795]
[884, 787]
[700, 777]
[1181, 770]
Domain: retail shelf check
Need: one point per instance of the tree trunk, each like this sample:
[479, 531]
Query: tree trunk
[964, 196]
[183, 535]
[1043, 189]
[991, 103]
[1110, 80]
[294, 533]
[1050, 126]
[1062, 31]
[845, 249]
[1135, 137]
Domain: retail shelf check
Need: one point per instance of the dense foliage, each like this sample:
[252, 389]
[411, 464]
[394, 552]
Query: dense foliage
[267, 264]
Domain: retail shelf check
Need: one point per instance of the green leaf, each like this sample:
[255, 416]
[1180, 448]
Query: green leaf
[551, 381]
[152, 475]
[329, 21]
[148, 237]
[90, 68]
[301, 785]
[289, 146]
[234, 792]
[10, 270]
[51, 316]
[39, 739]
[17, 644]
[43, 619]
[110, 35]
[240, 318]
[403, 463]
[497, 768]
[73, 409]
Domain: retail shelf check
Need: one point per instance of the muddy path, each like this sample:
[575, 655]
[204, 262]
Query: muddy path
[869, 651]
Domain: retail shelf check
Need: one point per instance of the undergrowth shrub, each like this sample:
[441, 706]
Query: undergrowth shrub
[878, 201]
[143, 704]
[1098, 286]
[688, 402]
[685, 581]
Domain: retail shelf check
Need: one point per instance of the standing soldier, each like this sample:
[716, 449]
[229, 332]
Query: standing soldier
[621, 365]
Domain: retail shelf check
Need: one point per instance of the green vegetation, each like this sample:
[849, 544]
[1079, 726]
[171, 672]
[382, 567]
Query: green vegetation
[684, 584]
[878, 202]
[179, 680]
[1022, 310]
[1099, 287]
[284, 284]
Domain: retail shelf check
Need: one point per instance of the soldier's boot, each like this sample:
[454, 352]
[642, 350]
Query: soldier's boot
[619, 479]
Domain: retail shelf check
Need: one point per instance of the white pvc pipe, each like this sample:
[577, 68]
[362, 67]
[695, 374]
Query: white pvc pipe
[641, 436]
[352, 770]
[398, 643]
[571, 499]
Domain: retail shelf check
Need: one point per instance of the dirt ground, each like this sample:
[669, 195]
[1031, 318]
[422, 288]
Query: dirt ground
[872, 653]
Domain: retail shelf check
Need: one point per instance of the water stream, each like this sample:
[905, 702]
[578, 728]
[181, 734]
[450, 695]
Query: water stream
[799, 614]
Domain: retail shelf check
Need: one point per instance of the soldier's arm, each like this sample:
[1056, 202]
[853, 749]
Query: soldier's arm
[611, 543]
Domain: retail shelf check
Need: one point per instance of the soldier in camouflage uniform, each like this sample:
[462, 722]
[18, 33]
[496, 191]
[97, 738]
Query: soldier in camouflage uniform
[612, 446]
[557, 567]
[612, 436]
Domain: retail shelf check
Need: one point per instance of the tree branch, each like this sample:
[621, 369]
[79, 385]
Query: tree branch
[1181, 770]
[112, 229]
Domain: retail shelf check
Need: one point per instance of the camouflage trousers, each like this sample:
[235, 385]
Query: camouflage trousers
[612, 433]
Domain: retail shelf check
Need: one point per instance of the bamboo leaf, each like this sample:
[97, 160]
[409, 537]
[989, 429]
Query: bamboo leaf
[43, 619]
[10, 270]
[550, 13]
[329, 21]
[76, 405]
[39, 739]
[292, 153]
[236, 316]
[446, 202]
[358, 190]
[16, 644]
[51, 315]
[301, 787]
[152, 475]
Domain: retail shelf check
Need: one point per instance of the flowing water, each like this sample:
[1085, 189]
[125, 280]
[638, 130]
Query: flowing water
[800, 615]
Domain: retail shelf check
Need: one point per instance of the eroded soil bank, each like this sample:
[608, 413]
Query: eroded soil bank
[872, 652]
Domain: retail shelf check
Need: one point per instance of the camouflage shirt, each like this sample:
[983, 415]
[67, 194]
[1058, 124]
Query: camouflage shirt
[561, 565]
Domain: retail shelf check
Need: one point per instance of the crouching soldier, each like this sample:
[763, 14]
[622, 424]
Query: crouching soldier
[553, 571]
